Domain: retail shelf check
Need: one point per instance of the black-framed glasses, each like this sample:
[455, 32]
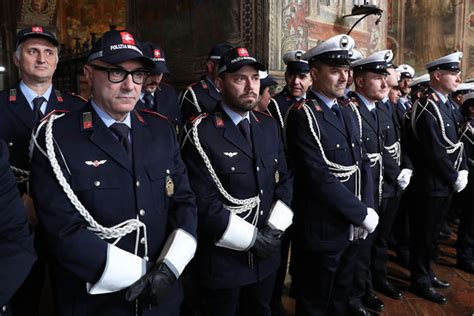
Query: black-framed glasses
[117, 75]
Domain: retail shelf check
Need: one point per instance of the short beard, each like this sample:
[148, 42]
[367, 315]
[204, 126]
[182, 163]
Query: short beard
[240, 107]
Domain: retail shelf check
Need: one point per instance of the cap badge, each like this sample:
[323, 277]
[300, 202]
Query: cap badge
[242, 52]
[37, 29]
[387, 55]
[157, 53]
[460, 56]
[298, 55]
[344, 42]
[127, 38]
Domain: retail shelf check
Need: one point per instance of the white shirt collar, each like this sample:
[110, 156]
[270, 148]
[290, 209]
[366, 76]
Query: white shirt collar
[440, 95]
[107, 119]
[370, 105]
[30, 95]
[328, 102]
[234, 116]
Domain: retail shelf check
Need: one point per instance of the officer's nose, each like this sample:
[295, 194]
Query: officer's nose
[40, 59]
[128, 83]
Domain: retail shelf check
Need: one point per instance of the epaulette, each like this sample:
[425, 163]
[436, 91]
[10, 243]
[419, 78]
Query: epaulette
[218, 120]
[298, 105]
[264, 113]
[77, 96]
[153, 113]
[354, 101]
[434, 97]
[55, 111]
[192, 119]
[12, 96]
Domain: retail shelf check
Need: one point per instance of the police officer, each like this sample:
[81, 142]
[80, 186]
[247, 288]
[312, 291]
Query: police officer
[21, 107]
[113, 194]
[298, 81]
[465, 241]
[407, 73]
[439, 170]
[370, 79]
[354, 55]
[333, 198]
[17, 253]
[237, 169]
[264, 95]
[202, 96]
[156, 95]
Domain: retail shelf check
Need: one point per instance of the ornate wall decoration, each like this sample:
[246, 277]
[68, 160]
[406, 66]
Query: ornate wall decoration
[41, 12]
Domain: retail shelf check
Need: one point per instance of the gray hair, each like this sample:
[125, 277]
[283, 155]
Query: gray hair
[17, 53]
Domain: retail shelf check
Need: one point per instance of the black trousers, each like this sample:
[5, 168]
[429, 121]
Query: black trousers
[401, 225]
[324, 279]
[425, 222]
[465, 241]
[387, 213]
[252, 299]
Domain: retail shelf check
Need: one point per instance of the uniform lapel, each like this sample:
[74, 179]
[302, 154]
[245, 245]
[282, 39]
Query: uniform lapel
[104, 139]
[258, 138]
[22, 109]
[213, 93]
[367, 116]
[233, 135]
[330, 117]
[141, 140]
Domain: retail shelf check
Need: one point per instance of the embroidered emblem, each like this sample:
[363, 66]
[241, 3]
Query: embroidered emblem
[95, 163]
[277, 177]
[230, 154]
[86, 120]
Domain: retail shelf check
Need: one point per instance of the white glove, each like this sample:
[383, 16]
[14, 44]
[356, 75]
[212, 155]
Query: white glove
[356, 233]
[404, 178]
[461, 181]
[371, 220]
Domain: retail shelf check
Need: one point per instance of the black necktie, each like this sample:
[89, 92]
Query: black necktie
[244, 127]
[37, 102]
[374, 115]
[148, 98]
[121, 130]
[337, 111]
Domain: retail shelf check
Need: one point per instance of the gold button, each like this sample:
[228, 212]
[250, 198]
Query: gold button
[142, 212]
[96, 183]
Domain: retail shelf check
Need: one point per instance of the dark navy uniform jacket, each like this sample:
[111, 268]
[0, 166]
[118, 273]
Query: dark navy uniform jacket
[402, 107]
[17, 120]
[165, 103]
[372, 139]
[434, 171]
[17, 254]
[283, 100]
[244, 174]
[207, 97]
[324, 206]
[112, 191]
[391, 133]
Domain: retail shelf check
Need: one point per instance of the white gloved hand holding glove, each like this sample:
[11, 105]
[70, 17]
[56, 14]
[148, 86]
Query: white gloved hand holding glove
[461, 181]
[371, 220]
[404, 178]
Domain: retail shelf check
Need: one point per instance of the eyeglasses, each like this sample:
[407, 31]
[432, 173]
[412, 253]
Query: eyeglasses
[117, 75]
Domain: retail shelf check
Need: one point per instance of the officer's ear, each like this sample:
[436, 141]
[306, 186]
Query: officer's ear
[359, 80]
[219, 81]
[436, 75]
[88, 74]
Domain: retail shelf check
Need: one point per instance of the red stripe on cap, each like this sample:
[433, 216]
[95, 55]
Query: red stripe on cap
[242, 52]
[157, 53]
[37, 29]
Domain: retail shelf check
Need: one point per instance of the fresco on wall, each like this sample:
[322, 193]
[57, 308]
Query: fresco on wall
[37, 12]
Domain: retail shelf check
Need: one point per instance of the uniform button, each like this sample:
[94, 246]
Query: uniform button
[142, 212]
[167, 171]
[258, 168]
[137, 183]
[353, 145]
[447, 125]
[96, 183]
[388, 127]
[142, 241]
[232, 168]
[357, 162]
[4, 308]
[261, 212]
[261, 191]
[367, 138]
[10, 144]
[276, 160]
[337, 145]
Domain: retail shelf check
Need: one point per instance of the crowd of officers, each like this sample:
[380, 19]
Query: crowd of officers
[142, 202]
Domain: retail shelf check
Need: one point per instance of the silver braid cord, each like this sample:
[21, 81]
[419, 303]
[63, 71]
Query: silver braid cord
[115, 232]
[240, 205]
[343, 173]
[280, 117]
[376, 158]
[194, 101]
[395, 151]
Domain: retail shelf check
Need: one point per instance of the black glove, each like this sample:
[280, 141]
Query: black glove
[268, 242]
[153, 286]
